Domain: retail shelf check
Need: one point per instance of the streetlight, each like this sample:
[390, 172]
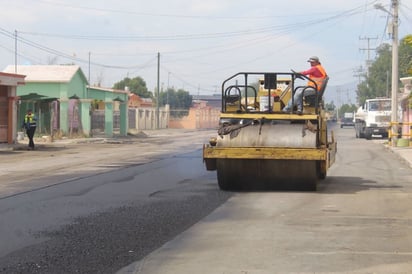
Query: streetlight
[395, 72]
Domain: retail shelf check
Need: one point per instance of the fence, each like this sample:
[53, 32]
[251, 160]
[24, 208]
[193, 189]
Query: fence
[138, 119]
[403, 134]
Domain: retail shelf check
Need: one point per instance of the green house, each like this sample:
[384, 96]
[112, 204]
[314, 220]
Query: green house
[60, 97]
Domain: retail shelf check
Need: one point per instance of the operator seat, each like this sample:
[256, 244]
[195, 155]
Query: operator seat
[313, 100]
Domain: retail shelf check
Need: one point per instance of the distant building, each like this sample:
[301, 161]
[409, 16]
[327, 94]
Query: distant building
[406, 105]
[60, 97]
[9, 106]
[135, 101]
[204, 113]
[213, 101]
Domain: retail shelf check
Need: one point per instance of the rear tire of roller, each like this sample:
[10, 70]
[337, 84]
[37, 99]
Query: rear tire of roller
[256, 175]
[223, 176]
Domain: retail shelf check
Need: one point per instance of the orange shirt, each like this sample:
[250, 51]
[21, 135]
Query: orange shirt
[316, 73]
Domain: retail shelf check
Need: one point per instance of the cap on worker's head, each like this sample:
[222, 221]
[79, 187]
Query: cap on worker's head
[314, 59]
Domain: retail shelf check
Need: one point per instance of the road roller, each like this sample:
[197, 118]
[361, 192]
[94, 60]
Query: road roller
[257, 146]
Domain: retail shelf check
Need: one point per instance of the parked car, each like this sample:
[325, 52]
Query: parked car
[346, 122]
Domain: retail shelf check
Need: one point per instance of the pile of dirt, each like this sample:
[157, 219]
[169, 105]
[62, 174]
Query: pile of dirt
[141, 134]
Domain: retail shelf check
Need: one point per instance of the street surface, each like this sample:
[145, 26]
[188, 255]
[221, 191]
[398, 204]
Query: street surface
[96, 207]
[359, 221]
[148, 206]
[63, 161]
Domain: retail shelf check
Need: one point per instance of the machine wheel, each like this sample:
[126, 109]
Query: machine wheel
[361, 134]
[243, 175]
[313, 186]
[321, 174]
[368, 135]
[223, 177]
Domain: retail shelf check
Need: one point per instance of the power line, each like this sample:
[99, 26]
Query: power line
[265, 29]
[64, 55]
[183, 16]
[271, 32]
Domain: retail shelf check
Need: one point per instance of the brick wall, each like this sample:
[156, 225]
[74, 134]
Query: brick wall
[198, 118]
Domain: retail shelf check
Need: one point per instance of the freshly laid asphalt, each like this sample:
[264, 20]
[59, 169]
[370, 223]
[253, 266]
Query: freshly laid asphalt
[42, 160]
[17, 160]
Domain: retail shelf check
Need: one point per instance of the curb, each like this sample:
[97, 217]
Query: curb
[403, 153]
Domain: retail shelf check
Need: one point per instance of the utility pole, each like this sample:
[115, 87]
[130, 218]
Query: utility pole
[167, 95]
[395, 72]
[338, 91]
[368, 49]
[395, 69]
[387, 84]
[359, 72]
[89, 67]
[157, 92]
[349, 101]
[15, 51]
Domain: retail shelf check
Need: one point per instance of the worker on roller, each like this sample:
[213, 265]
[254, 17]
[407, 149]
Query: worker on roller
[316, 73]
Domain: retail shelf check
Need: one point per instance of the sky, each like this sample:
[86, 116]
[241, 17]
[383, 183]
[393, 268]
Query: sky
[195, 45]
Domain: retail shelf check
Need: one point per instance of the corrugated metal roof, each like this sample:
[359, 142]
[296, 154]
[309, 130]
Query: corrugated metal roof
[45, 73]
[11, 79]
[108, 89]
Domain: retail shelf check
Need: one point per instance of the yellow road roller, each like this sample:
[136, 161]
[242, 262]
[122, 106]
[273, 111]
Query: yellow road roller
[260, 147]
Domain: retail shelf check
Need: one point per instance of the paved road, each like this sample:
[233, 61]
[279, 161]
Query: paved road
[94, 208]
[66, 160]
[359, 221]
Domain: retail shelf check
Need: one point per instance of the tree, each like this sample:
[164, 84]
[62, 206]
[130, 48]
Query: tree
[180, 101]
[346, 108]
[377, 82]
[330, 106]
[405, 56]
[408, 39]
[136, 85]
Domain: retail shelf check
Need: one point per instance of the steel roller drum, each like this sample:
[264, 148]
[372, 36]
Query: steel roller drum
[259, 174]
[276, 135]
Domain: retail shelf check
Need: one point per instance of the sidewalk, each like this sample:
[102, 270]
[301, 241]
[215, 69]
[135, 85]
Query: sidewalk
[404, 153]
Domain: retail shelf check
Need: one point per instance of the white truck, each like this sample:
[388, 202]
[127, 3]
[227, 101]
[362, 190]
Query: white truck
[373, 118]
